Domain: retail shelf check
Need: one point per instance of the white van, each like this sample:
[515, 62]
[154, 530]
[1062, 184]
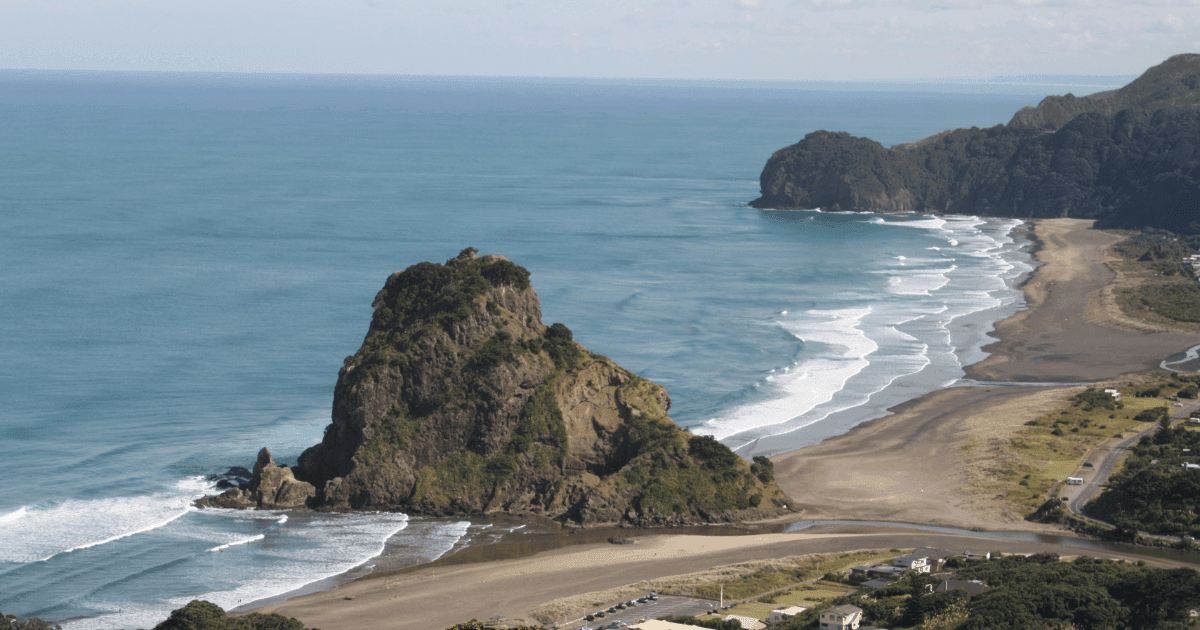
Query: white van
[1074, 481]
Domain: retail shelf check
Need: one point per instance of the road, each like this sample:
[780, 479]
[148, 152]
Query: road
[1095, 478]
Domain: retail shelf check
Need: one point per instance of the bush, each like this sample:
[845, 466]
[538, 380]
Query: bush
[10, 622]
[763, 468]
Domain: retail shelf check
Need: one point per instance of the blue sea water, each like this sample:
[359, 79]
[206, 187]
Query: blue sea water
[185, 260]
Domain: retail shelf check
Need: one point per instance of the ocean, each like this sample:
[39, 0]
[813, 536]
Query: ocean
[188, 258]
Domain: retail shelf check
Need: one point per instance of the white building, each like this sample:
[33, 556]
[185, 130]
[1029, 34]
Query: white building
[779, 614]
[912, 562]
[843, 617]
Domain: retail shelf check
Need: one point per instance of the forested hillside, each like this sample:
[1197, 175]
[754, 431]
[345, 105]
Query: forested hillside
[1128, 158]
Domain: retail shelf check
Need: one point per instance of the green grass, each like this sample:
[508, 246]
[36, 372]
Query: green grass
[807, 596]
[769, 580]
[1053, 446]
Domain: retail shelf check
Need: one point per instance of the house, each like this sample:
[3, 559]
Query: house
[1187, 466]
[844, 617]
[877, 583]
[972, 587]
[884, 571]
[912, 562]
[1116, 394]
[935, 558]
[975, 555]
[1195, 421]
[779, 614]
[748, 623]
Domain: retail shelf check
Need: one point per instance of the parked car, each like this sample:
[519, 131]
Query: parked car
[600, 615]
[590, 618]
[1087, 464]
[613, 609]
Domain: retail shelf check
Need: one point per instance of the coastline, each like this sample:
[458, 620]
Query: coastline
[960, 341]
[939, 440]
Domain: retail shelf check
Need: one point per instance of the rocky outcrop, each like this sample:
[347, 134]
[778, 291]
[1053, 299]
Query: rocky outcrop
[461, 401]
[271, 487]
[1127, 158]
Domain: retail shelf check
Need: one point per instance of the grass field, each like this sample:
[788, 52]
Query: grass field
[774, 578]
[807, 596]
[1052, 447]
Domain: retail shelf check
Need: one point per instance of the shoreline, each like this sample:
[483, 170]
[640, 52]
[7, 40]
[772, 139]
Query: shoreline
[968, 334]
[852, 476]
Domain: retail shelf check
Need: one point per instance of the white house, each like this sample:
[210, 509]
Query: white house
[843, 617]
[779, 614]
[912, 562]
[1116, 394]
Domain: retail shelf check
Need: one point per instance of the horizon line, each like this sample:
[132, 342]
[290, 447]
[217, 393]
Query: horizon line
[1101, 80]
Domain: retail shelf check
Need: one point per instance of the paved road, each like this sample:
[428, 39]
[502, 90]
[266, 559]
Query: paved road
[1095, 478]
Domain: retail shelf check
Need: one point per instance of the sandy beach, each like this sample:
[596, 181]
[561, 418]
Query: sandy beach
[912, 466]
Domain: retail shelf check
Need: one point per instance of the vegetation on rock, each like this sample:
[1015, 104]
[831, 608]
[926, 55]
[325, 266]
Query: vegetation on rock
[202, 615]
[1127, 158]
[461, 401]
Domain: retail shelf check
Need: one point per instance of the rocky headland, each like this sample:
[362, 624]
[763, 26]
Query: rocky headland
[1128, 158]
[461, 401]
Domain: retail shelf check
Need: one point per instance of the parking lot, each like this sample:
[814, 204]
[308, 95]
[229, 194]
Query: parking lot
[666, 605]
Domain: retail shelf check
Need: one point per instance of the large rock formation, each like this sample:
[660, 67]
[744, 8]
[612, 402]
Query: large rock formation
[272, 487]
[1128, 158]
[461, 401]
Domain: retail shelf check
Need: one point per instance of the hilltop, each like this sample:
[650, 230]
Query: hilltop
[461, 401]
[1128, 158]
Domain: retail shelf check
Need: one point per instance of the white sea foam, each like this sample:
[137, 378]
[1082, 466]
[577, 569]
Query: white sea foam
[799, 388]
[919, 336]
[303, 550]
[235, 543]
[43, 532]
[14, 515]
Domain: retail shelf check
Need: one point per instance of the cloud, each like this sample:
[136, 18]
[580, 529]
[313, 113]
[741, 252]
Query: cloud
[1169, 24]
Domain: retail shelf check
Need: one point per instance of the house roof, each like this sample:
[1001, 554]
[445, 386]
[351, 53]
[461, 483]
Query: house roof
[790, 610]
[972, 587]
[844, 609]
[878, 583]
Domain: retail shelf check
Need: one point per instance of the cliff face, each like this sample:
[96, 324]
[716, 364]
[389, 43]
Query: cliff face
[461, 401]
[1128, 158]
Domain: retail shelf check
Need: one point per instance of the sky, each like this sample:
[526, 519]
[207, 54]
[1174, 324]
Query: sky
[685, 39]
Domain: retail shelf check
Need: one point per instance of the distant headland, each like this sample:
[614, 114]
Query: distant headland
[1127, 158]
